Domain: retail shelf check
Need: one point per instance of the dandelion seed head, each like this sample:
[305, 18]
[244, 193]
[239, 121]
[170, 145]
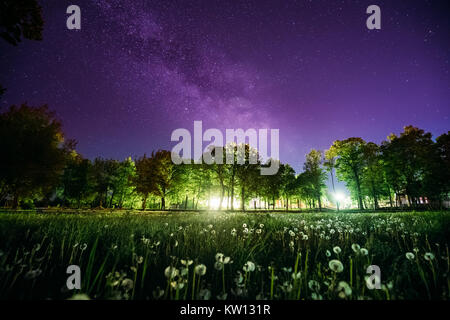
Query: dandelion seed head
[410, 255]
[337, 250]
[428, 256]
[336, 266]
[200, 269]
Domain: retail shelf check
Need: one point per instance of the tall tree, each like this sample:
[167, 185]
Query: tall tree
[350, 163]
[373, 178]
[247, 173]
[76, 184]
[143, 179]
[436, 174]
[408, 158]
[220, 171]
[315, 174]
[164, 174]
[104, 175]
[33, 151]
[288, 183]
[271, 184]
[442, 170]
[330, 165]
[121, 187]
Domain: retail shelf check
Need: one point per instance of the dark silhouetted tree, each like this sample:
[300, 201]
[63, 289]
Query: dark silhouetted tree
[33, 151]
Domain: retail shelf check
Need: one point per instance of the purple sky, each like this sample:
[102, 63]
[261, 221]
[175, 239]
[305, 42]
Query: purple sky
[137, 70]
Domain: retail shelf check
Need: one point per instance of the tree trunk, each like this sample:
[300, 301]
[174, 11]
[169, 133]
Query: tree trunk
[374, 195]
[232, 191]
[111, 200]
[222, 193]
[185, 202]
[358, 186]
[144, 202]
[15, 201]
[163, 203]
[106, 198]
[332, 180]
[390, 196]
[242, 199]
[121, 202]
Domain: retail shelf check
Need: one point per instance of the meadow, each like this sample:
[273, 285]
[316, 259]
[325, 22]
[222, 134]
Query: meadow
[224, 255]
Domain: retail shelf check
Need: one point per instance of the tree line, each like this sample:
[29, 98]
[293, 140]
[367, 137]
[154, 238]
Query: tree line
[39, 167]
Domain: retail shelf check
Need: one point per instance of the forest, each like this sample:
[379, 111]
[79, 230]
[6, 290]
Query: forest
[40, 167]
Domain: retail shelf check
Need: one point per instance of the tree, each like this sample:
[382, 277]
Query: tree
[288, 182]
[221, 171]
[164, 175]
[103, 175]
[76, 184]
[121, 186]
[373, 179]
[305, 190]
[20, 18]
[330, 165]
[271, 184]
[315, 174]
[246, 173]
[143, 179]
[442, 169]
[436, 177]
[350, 163]
[33, 151]
[408, 159]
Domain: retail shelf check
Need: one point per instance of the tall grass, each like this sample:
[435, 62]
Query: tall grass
[135, 255]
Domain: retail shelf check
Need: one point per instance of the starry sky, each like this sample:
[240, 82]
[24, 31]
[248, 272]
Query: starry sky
[137, 70]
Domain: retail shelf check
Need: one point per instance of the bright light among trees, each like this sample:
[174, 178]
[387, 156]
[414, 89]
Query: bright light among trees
[339, 196]
[214, 203]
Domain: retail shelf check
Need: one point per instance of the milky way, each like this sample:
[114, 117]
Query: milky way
[137, 70]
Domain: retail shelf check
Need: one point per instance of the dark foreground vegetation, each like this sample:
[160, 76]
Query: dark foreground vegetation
[212, 255]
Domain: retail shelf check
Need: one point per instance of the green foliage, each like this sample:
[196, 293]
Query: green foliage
[314, 175]
[350, 162]
[34, 152]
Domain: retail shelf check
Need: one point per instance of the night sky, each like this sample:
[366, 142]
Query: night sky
[137, 70]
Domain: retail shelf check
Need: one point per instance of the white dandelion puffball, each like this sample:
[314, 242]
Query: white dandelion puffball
[200, 269]
[336, 265]
[249, 266]
[428, 256]
[219, 257]
[409, 255]
[171, 272]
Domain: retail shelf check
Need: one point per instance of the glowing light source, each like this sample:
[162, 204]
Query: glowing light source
[339, 196]
[214, 203]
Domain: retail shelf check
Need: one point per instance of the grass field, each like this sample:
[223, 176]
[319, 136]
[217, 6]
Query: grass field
[212, 255]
